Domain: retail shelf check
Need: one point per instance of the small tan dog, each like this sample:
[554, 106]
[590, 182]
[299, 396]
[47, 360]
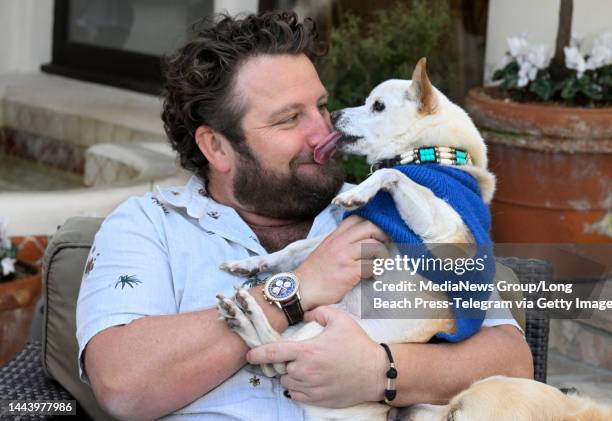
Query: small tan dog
[509, 399]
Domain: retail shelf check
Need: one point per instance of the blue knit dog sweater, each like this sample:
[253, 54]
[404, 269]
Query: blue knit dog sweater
[460, 190]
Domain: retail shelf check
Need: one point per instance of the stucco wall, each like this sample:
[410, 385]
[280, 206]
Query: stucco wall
[26, 28]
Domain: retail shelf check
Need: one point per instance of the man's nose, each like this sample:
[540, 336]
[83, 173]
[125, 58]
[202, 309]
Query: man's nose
[319, 130]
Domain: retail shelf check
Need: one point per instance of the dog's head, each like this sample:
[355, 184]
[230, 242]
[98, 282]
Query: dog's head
[400, 115]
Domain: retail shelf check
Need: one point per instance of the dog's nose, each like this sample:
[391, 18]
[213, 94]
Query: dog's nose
[335, 116]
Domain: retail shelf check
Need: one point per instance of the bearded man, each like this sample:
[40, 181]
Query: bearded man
[245, 110]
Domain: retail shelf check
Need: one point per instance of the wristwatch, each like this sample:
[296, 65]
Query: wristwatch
[282, 289]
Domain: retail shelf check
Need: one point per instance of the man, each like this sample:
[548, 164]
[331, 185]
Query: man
[244, 108]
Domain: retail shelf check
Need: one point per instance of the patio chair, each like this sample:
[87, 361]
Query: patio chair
[47, 367]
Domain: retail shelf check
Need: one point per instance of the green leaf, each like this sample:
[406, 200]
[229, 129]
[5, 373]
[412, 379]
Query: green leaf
[605, 79]
[499, 74]
[593, 91]
[570, 88]
[590, 88]
[544, 88]
[8, 252]
[510, 82]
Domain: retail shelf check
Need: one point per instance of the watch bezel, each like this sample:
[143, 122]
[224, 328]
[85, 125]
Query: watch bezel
[275, 277]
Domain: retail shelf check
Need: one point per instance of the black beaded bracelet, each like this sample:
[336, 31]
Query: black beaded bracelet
[391, 374]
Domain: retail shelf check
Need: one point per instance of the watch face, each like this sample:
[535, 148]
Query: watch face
[281, 287]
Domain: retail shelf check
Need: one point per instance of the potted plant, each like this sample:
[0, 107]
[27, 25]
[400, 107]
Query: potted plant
[20, 285]
[548, 126]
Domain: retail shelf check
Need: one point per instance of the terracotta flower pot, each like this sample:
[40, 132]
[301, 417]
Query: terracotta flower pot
[19, 295]
[553, 167]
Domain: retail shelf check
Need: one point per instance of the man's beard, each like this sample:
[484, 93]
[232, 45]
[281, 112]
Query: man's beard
[286, 196]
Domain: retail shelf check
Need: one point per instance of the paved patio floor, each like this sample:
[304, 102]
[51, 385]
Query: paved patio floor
[590, 381]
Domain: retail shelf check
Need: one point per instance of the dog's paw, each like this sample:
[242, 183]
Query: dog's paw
[242, 298]
[237, 321]
[245, 267]
[266, 334]
[229, 311]
[349, 201]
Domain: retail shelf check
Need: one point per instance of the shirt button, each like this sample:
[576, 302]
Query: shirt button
[213, 214]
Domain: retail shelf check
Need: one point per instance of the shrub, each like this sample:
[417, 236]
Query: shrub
[363, 55]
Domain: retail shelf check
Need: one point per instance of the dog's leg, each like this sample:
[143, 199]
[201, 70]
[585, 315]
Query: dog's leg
[259, 321]
[237, 320]
[283, 260]
[362, 193]
[417, 205]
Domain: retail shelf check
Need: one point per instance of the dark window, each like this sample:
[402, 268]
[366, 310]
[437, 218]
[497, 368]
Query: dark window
[120, 42]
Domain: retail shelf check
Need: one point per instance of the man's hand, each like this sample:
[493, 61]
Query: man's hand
[338, 263]
[338, 368]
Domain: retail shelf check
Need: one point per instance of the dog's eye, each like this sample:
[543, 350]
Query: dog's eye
[378, 106]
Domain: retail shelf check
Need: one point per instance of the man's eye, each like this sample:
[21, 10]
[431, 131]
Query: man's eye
[290, 119]
[323, 107]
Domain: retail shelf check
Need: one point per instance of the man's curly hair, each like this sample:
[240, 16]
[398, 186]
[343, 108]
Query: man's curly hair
[199, 77]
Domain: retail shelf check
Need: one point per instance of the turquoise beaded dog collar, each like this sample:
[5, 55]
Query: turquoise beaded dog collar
[445, 155]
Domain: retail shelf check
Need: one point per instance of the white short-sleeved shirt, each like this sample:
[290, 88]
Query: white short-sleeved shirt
[159, 254]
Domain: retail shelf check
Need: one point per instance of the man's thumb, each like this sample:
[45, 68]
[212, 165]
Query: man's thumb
[322, 315]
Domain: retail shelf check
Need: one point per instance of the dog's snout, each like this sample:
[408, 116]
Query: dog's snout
[335, 116]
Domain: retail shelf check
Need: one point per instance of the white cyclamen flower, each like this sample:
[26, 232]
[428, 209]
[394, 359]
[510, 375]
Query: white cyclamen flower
[5, 241]
[538, 56]
[601, 53]
[526, 73]
[574, 60]
[7, 265]
[576, 39]
[530, 58]
[517, 46]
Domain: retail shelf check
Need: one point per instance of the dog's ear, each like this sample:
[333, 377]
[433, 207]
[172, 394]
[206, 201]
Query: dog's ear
[423, 89]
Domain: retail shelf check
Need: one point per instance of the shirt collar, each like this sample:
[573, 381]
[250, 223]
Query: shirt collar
[192, 196]
[225, 221]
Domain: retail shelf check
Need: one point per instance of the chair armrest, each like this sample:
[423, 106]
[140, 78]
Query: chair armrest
[537, 321]
[23, 378]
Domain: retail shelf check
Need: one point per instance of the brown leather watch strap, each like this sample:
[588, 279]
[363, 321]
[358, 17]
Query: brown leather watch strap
[293, 311]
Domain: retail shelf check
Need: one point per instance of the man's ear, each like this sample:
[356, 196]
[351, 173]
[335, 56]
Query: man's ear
[215, 148]
[422, 88]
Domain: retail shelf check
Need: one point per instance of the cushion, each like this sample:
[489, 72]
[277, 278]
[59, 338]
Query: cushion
[63, 266]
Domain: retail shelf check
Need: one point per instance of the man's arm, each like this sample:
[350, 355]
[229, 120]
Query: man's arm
[434, 373]
[343, 367]
[155, 365]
